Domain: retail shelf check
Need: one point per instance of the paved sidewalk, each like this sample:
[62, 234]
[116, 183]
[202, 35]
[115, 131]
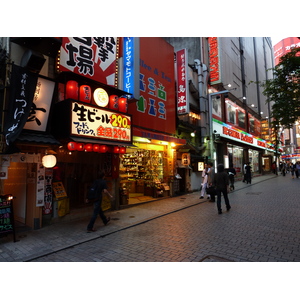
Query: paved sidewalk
[35, 243]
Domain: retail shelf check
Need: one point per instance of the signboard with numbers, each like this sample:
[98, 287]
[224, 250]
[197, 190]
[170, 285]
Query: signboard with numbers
[6, 216]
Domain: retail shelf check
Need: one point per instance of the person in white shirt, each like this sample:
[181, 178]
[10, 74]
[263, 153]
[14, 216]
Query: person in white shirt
[204, 181]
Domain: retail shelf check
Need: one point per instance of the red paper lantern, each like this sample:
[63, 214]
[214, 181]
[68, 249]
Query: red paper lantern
[96, 147]
[85, 93]
[116, 149]
[103, 149]
[80, 147]
[113, 102]
[123, 150]
[123, 104]
[72, 146]
[88, 147]
[72, 90]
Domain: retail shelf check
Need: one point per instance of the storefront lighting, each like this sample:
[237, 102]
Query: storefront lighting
[101, 97]
[85, 93]
[96, 148]
[122, 150]
[103, 149]
[116, 149]
[88, 147]
[173, 144]
[49, 161]
[80, 147]
[72, 146]
[193, 134]
[113, 102]
[123, 104]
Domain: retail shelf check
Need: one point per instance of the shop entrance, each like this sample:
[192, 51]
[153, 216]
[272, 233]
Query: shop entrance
[142, 176]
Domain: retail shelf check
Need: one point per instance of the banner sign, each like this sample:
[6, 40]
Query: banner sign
[93, 122]
[128, 54]
[92, 57]
[214, 60]
[39, 113]
[22, 88]
[183, 106]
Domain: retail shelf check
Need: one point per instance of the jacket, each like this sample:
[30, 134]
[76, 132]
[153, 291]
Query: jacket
[221, 181]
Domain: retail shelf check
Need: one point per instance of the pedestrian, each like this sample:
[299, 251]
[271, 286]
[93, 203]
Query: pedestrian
[274, 167]
[248, 173]
[292, 169]
[231, 173]
[244, 172]
[221, 182]
[101, 188]
[297, 171]
[210, 180]
[283, 169]
[204, 181]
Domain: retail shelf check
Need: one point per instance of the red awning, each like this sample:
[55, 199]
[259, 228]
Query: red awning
[157, 136]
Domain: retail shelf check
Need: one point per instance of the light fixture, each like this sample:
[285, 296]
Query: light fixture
[244, 98]
[193, 133]
[228, 85]
[101, 97]
[253, 106]
[49, 161]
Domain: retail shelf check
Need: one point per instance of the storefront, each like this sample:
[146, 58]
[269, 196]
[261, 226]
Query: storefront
[236, 147]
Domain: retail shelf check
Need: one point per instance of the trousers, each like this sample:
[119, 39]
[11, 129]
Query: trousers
[225, 194]
[97, 210]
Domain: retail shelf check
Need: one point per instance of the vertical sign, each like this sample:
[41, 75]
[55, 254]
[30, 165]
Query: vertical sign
[40, 186]
[214, 60]
[182, 82]
[6, 216]
[128, 82]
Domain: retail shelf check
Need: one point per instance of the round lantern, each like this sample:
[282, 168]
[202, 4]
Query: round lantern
[72, 90]
[122, 150]
[80, 146]
[103, 149]
[116, 149]
[85, 93]
[101, 97]
[49, 161]
[113, 102]
[123, 104]
[96, 148]
[88, 147]
[72, 146]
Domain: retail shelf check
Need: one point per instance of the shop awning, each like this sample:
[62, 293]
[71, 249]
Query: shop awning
[157, 136]
[97, 141]
[37, 138]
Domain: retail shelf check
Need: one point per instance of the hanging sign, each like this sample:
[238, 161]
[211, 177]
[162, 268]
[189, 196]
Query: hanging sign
[6, 216]
[93, 122]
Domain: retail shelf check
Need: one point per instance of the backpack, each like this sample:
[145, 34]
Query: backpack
[93, 191]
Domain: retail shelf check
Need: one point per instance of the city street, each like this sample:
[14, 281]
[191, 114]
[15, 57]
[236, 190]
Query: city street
[262, 226]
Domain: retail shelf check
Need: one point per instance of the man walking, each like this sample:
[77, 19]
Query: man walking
[100, 187]
[210, 179]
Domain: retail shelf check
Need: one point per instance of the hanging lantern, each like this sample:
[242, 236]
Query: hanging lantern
[88, 147]
[96, 148]
[49, 161]
[123, 104]
[103, 149]
[113, 102]
[85, 93]
[123, 150]
[80, 147]
[72, 90]
[100, 97]
[116, 149]
[71, 146]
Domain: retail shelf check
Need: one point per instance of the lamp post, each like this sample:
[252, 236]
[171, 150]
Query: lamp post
[211, 144]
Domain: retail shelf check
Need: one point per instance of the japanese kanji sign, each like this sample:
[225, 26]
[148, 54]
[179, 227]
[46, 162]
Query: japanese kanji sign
[93, 122]
[92, 57]
[22, 90]
[183, 106]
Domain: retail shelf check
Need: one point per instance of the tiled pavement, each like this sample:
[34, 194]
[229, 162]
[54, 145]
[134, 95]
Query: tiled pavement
[37, 243]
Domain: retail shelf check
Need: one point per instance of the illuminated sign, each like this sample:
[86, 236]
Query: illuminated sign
[40, 108]
[92, 57]
[92, 122]
[101, 97]
[128, 53]
[182, 82]
[214, 61]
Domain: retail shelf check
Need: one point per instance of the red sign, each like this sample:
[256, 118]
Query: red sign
[214, 61]
[156, 107]
[285, 46]
[182, 82]
[92, 57]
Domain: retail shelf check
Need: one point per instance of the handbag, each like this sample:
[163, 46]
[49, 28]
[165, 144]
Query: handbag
[211, 190]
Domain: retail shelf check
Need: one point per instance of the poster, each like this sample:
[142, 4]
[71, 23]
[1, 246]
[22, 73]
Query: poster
[40, 186]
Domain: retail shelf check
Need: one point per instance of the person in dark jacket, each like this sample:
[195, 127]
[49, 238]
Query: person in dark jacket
[231, 173]
[101, 187]
[221, 182]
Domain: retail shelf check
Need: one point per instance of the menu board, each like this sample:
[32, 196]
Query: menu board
[6, 216]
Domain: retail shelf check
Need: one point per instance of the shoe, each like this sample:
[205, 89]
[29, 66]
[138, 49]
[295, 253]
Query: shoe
[228, 208]
[91, 230]
[208, 198]
[107, 220]
[211, 201]
[201, 197]
[220, 212]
